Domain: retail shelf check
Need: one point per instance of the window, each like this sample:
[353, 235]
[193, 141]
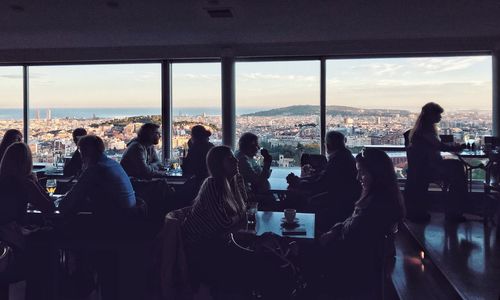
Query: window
[279, 102]
[11, 99]
[110, 101]
[196, 99]
[374, 101]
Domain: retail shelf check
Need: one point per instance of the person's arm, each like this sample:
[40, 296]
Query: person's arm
[77, 196]
[38, 197]
[434, 141]
[155, 160]
[249, 173]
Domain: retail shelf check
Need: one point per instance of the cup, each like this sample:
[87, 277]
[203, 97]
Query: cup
[290, 214]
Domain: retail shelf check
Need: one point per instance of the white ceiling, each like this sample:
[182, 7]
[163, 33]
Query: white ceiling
[69, 29]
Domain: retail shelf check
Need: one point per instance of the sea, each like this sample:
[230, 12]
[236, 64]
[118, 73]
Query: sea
[87, 113]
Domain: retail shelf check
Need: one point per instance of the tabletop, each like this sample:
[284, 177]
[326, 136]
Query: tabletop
[271, 221]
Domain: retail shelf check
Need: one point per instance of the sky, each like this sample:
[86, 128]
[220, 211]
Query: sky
[402, 83]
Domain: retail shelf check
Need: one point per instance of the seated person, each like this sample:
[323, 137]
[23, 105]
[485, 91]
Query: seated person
[140, 159]
[34, 256]
[74, 166]
[11, 136]
[311, 164]
[220, 205]
[338, 179]
[426, 165]
[103, 187]
[255, 176]
[350, 246]
[18, 185]
[194, 164]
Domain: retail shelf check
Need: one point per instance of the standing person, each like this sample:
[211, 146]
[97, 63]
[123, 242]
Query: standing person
[255, 175]
[140, 159]
[74, 166]
[350, 246]
[425, 165]
[194, 164]
[11, 136]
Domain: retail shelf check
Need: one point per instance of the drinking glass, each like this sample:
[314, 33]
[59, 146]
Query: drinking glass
[251, 212]
[51, 186]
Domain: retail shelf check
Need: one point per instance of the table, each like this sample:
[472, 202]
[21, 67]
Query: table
[465, 155]
[270, 221]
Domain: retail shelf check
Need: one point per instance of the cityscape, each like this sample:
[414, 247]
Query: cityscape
[287, 132]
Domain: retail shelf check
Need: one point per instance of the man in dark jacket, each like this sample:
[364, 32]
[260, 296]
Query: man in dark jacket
[140, 159]
[74, 166]
[336, 187]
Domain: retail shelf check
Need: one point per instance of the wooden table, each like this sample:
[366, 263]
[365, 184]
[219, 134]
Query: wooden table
[270, 221]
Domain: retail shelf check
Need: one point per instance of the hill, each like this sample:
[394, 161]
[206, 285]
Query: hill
[305, 110]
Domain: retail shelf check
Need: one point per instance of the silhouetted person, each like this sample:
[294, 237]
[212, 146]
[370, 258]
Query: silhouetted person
[195, 161]
[74, 166]
[140, 159]
[338, 181]
[353, 247]
[426, 165]
[255, 175]
[34, 258]
[218, 210]
[103, 187]
[11, 136]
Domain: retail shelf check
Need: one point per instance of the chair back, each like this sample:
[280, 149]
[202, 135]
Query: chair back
[446, 138]
[406, 136]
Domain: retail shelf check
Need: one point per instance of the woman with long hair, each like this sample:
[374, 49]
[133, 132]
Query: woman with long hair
[19, 186]
[11, 136]
[218, 209]
[351, 247]
[426, 165]
[220, 204]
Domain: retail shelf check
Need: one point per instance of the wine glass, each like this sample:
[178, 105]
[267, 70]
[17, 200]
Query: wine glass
[51, 186]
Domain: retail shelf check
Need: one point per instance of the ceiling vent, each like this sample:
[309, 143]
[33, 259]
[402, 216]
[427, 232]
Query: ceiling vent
[219, 12]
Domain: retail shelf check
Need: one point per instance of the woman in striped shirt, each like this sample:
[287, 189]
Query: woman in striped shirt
[219, 207]
[218, 210]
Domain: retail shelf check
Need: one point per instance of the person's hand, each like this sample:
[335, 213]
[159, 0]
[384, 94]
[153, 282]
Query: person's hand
[292, 179]
[267, 157]
[33, 177]
[331, 235]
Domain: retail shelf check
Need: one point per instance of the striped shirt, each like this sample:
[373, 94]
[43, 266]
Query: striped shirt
[218, 208]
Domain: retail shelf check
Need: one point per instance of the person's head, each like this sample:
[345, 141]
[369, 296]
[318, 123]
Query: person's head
[334, 141]
[200, 134]
[78, 133]
[91, 148]
[17, 161]
[12, 136]
[249, 144]
[377, 177]
[149, 133]
[429, 116]
[221, 162]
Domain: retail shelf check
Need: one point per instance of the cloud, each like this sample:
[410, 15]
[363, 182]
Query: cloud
[438, 65]
[11, 76]
[263, 76]
[191, 76]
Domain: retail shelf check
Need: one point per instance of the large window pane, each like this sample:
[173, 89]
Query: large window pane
[11, 99]
[279, 102]
[196, 99]
[374, 101]
[111, 101]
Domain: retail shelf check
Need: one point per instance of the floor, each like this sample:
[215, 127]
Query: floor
[468, 254]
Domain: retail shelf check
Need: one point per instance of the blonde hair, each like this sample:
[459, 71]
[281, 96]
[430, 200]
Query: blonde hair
[17, 161]
[424, 123]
